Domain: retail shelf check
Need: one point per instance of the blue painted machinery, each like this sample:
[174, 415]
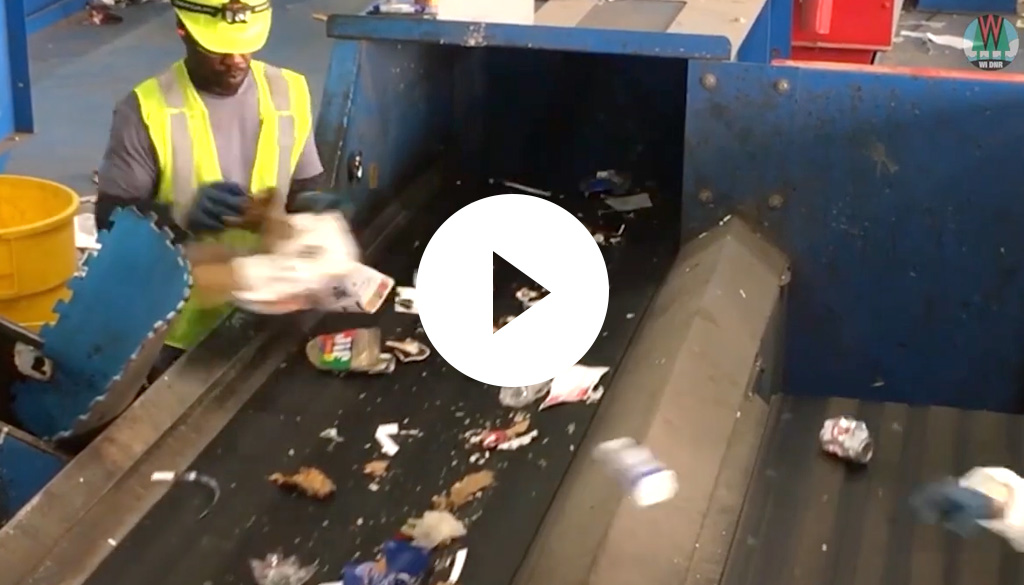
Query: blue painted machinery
[879, 199]
[101, 348]
[881, 184]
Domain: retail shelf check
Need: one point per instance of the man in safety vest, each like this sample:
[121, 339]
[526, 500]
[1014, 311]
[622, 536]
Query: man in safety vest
[195, 142]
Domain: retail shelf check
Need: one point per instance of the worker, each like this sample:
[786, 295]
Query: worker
[195, 142]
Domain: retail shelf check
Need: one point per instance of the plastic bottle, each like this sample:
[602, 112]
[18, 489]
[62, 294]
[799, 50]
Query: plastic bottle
[646, 479]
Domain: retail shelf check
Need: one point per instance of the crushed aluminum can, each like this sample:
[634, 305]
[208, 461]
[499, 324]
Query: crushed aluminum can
[847, 438]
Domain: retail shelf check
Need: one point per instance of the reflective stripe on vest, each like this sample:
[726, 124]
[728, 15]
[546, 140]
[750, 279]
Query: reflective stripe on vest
[179, 126]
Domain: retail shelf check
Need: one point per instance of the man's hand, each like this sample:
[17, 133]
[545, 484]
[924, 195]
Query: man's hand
[216, 205]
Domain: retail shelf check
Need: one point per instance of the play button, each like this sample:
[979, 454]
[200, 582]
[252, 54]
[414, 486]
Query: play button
[455, 290]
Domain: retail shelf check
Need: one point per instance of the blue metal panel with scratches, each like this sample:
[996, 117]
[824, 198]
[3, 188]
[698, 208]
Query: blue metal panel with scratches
[894, 196]
[390, 102]
[582, 40]
[17, 56]
[133, 286]
[25, 468]
[1007, 7]
[6, 89]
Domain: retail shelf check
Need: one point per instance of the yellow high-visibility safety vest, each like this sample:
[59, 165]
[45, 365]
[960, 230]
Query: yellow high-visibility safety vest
[179, 126]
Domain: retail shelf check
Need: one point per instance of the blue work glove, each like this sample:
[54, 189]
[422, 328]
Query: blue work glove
[216, 204]
[956, 507]
[314, 202]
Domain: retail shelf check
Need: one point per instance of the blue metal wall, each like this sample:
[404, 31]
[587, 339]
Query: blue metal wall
[391, 102]
[15, 86]
[25, 468]
[1007, 7]
[6, 94]
[543, 117]
[896, 198]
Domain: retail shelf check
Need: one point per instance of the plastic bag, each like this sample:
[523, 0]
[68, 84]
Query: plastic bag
[520, 396]
[579, 384]
[277, 569]
[403, 563]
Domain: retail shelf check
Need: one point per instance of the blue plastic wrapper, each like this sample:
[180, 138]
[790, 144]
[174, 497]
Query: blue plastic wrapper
[404, 564]
[956, 507]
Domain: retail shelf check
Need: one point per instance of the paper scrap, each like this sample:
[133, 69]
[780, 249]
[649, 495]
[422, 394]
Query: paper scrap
[629, 203]
[951, 41]
[458, 565]
[383, 436]
[85, 232]
[405, 300]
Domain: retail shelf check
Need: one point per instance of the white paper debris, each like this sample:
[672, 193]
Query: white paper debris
[433, 529]
[458, 565]
[85, 232]
[32, 363]
[951, 41]
[578, 384]
[163, 476]
[383, 436]
[521, 441]
[405, 300]
[527, 189]
[629, 202]
[331, 434]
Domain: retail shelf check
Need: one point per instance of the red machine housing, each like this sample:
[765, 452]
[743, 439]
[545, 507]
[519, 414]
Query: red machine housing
[846, 31]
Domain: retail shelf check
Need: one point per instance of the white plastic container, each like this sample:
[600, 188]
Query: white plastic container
[646, 479]
[1007, 488]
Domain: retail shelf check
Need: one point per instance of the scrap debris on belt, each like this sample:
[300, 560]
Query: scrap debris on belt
[530, 297]
[361, 351]
[352, 350]
[433, 529]
[523, 188]
[191, 476]
[607, 182]
[405, 300]
[377, 468]
[517, 435]
[503, 321]
[463, 491]
[578, 384]
[410, 558]
[408, 350]
[331, 434]
[308, 480]
[277, 569]
[99, 14]
[627, 203]
[384, 437]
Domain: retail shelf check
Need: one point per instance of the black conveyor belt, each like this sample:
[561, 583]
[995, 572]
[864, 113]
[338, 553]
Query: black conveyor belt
[809, 519]
[278, 430]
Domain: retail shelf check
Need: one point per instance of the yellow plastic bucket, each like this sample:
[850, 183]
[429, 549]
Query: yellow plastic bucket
[37, 248]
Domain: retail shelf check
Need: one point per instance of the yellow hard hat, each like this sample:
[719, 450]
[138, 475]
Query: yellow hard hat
[226, 27]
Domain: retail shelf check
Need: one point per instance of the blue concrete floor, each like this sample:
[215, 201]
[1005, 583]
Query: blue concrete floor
[80, 71]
